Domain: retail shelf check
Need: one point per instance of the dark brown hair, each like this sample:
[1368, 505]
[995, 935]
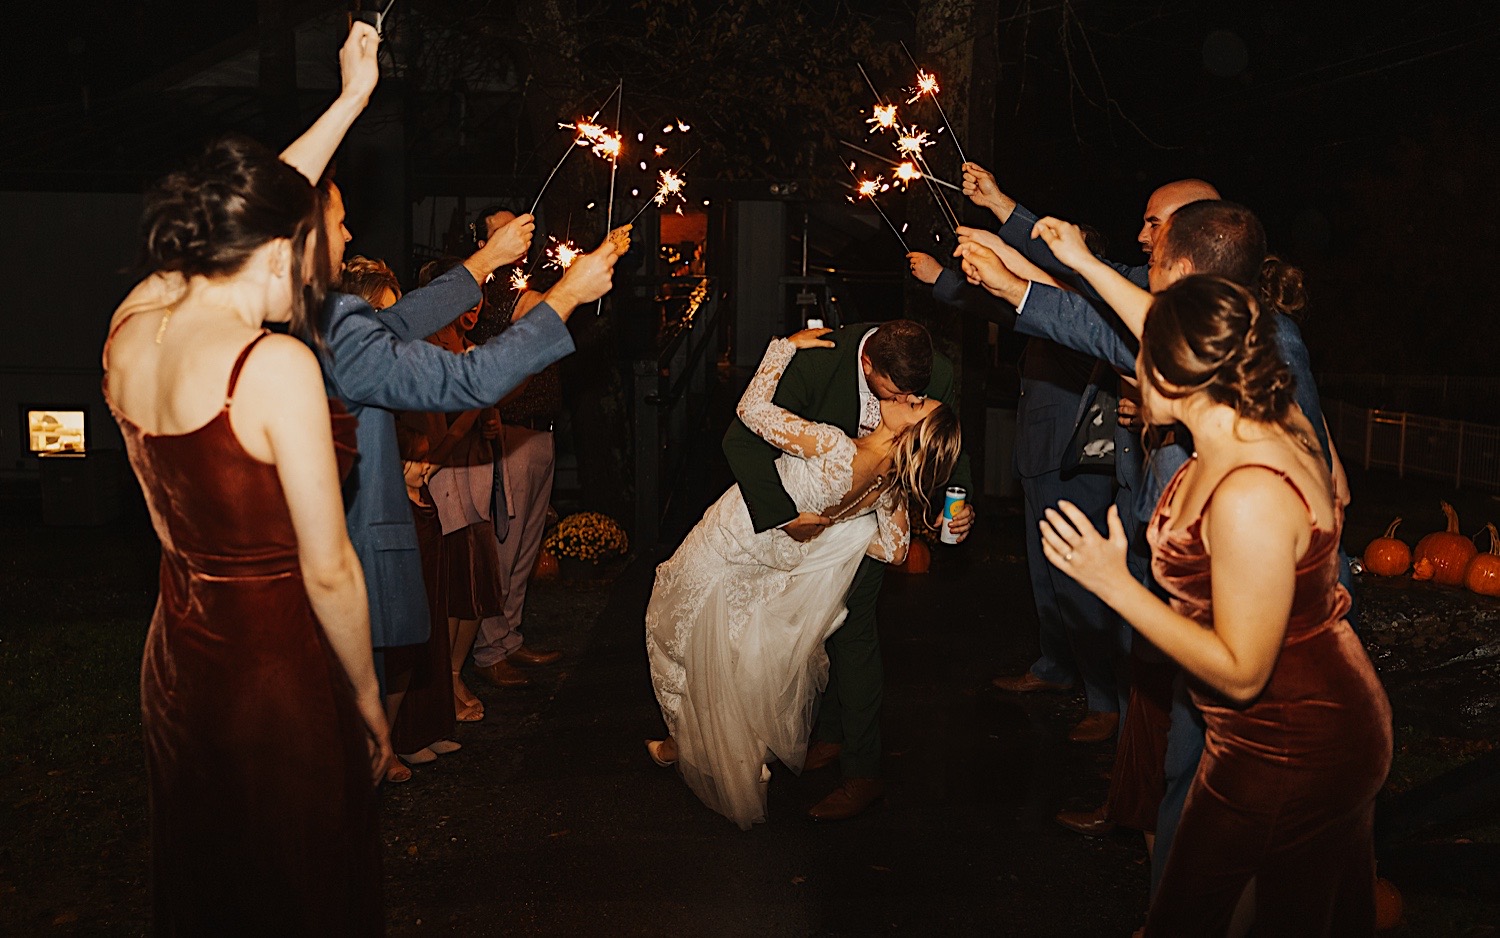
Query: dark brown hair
[1207, 334]
[1226, 239]
[366, 277]
[902, 351]
[206, 219]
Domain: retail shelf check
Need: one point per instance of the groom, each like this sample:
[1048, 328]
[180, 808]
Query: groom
[844, 386]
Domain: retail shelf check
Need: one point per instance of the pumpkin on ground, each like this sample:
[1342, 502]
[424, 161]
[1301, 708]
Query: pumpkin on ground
[918, 557]
[1388, 904]
[1449, 552]
[545, 567]
[1483, 575]
[1388, 555]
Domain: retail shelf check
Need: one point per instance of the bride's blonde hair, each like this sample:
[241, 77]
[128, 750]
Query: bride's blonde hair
[923, 458]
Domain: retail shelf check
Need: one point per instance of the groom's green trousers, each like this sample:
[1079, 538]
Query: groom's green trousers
[850, 710]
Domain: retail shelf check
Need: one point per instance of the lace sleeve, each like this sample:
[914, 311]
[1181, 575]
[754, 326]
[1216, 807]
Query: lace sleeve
[892, 529]
[776, 425]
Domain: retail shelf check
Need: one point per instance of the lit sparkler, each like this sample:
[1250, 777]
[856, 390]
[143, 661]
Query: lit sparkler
[519, 280]
[569, 150]
[597, 138]
[883, 118]
[561, 254]
[660, 150]
[927, 86]
[911, 143]
[669, 186]
[868, 189]
[906, 173]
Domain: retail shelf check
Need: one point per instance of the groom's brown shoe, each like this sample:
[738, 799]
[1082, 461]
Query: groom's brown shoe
[853, 796]
[504, 674]
[527, 658]
[820, 755]
[1028, 683]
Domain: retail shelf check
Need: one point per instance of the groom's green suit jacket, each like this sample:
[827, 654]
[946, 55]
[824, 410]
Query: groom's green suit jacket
[820, 384]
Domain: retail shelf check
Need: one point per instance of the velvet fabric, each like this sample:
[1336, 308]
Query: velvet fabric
[427, 713]
[263, 813]
[1285, 791]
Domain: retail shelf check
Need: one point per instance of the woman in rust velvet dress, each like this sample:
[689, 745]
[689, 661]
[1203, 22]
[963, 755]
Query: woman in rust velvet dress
[264, 731]
[1245, 541]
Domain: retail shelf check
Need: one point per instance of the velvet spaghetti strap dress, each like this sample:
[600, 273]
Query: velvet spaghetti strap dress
[263, 815]
[1286, 788]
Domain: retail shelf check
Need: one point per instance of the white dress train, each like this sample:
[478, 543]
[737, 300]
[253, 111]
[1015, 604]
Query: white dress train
[737, 620]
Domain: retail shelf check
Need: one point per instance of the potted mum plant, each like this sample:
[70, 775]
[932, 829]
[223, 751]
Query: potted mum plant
[581, 541]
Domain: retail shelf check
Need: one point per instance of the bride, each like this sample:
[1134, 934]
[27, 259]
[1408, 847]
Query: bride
[737, 620]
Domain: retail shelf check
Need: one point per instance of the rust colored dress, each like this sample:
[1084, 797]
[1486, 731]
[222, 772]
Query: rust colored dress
[262, 809]
[1286, 788]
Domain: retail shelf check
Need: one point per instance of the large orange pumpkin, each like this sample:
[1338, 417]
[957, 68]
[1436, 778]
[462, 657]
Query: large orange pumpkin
[1483, 575]
[1388, 555]
[1448, 551]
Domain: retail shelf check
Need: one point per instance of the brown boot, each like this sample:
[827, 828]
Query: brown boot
[527, 658]
[504, 674]
[853, 796]
[1088, 823]
[820, 755]
[1028, 683]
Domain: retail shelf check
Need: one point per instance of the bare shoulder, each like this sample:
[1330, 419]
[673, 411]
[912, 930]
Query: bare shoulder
[1258, 502]
[280, 366]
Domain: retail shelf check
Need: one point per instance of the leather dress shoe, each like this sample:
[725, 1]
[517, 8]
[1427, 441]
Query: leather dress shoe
[527, 658]
[1095, 728]
[853, 796]
[504, 674]
[820, 755]
[1028, 683]
[1088, 823]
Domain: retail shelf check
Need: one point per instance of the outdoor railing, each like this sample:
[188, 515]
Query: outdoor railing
[669, 394]
[1460, 452]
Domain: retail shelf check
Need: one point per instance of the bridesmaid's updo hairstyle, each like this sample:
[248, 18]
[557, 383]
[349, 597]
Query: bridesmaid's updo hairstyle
[206, 219]
[923, 459]
[1206, 334]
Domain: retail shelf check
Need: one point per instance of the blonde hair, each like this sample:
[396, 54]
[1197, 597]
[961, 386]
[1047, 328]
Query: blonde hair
[923, 458]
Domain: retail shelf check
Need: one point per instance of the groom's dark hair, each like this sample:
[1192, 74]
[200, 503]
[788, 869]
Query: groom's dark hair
[902, 351]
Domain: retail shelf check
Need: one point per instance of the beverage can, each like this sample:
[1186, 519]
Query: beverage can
[953, 503]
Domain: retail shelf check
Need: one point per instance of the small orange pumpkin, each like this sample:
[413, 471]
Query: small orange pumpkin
[1388, 904]
[1448, 551]
[1388, 555]
[1483, 575]
[918, 557]
[545, 567]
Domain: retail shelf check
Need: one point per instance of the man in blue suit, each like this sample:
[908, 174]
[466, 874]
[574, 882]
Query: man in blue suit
[377, 364]
[1078, 634]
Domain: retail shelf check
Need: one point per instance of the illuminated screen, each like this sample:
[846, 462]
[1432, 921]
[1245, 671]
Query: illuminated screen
[55, 431]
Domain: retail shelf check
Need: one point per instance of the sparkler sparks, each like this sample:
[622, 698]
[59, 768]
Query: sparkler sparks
[597, 138]
[669, 186]
[867, 189]
[913, 141]
[883, 117]
[907, 173]
[927, 84]
[562, 254]
[519, 280]
[661, 150]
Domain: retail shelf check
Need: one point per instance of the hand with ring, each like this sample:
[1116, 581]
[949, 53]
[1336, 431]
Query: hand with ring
[1072, 544]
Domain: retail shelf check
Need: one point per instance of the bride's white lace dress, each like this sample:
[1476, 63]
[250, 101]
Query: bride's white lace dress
[737, 620]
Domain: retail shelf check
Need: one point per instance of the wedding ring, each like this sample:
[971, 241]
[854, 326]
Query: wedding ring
[1068, 557]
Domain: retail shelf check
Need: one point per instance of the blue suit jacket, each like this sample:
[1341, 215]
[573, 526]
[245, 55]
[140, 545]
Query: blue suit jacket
[1075, 320]
[377, 363]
